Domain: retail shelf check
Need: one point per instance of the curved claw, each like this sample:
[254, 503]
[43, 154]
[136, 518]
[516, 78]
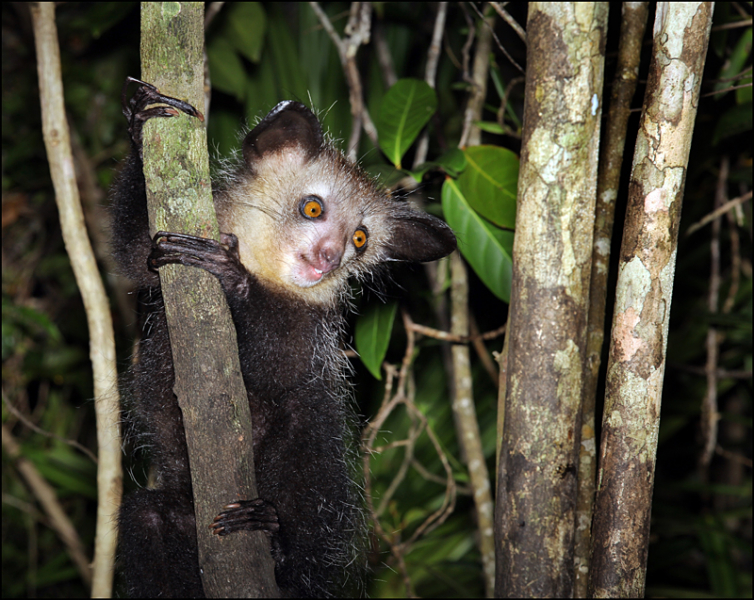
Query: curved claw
[248, 515]
[221, 259]
[149, 94]
[136, 112]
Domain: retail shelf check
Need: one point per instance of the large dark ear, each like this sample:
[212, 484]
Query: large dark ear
[289, 124]
[419, 237]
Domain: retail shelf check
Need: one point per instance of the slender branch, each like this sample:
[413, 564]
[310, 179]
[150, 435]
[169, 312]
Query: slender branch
[47, 497]
[433, 54]
[726, 90]
[710, 415]
[472, 135]
[387, 69]
[357, 33]
[430, 73]
[721, 210]
[450, 337]
[497, 41]
[505, 16]
[73, 443]
[99, 320]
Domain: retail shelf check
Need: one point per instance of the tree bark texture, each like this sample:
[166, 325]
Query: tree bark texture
[612, 149]
[642, 307]
[536, 498]
[464, 413]
[99, 320]
[208, 382]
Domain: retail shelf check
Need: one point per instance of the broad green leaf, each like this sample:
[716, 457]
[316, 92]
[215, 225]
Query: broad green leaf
[453, 162]
[280, 75]
[245, 28]
[372, 335]
[228, 74]
[739, 57]
[733, 121]
[405, 109]
[290, 75]
[487, 248]
[489, 183]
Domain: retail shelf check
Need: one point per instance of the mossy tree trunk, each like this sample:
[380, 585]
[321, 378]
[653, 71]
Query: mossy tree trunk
[537, 484]
[636, 365]
[208, 382]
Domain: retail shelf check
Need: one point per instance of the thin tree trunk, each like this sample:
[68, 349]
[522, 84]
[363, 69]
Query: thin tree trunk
[208, 381]
[99, 320]
[642, 307]
[633, 25]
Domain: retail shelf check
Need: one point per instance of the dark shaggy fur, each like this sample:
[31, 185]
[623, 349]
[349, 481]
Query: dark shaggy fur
[289, 348]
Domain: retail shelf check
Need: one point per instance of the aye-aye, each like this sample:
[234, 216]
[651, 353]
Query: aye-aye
[299, 220]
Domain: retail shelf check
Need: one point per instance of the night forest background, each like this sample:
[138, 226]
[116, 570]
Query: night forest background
[701, 519]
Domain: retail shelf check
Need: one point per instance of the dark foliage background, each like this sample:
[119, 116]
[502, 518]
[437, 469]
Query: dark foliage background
[701, 528]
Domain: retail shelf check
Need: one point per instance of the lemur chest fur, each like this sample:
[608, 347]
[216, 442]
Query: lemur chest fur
[298, 221]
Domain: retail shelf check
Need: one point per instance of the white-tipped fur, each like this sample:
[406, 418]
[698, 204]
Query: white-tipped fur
[262, 209]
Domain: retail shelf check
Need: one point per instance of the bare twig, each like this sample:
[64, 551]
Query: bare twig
[357, 33]
[735, 263]
[446, 336]
[710, 415]
[721, 210]
[387, 69]
[734, 25]
[21, 417]
[497, 41]
[728, 89]
[213, 9]
[433, 57]
[471, 135]
[483, 353]
[433, 54]
[505, 16]
[466, 50]
[741, 74]
[396, 395]
[734, 456]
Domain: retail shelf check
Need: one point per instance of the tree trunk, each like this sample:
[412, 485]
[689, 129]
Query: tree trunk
[208, 382]
[636, 366]
[539, 457]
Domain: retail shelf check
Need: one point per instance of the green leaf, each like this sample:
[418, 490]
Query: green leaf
[372, 335]
[716, 543]
[405, 109]
[453, 162]
[487, 248]
[245, 28]
[290, 76]
[228, 74]
[490, 182]
[490, 127]
[739, 57]
[733, 121]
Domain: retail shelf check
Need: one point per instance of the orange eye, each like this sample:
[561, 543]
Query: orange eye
[312, 208]
[359, 239]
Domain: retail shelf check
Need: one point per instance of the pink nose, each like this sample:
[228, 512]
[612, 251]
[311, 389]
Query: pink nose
[326, 258]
